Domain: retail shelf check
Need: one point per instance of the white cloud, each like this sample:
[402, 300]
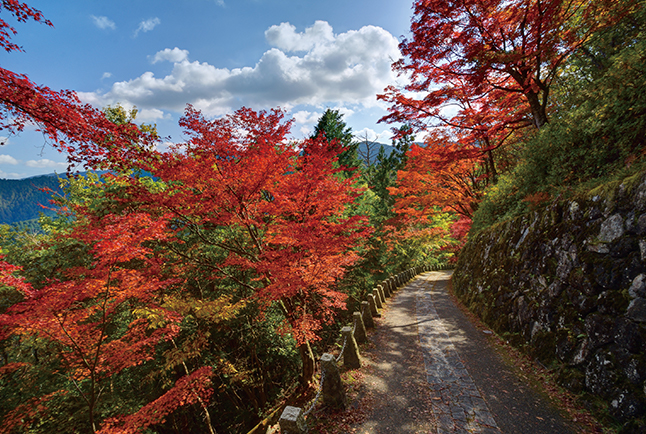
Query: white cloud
[11, 175]
[175, 55]
[306, 117]
[284, 36]
[45, 164]
[305, 120]
[106, 75]
[349, 68]
[374, 136]
[147, 25]
[220, 3]
[8, 159]
[345, 111]
[103, 22]
[151, 115]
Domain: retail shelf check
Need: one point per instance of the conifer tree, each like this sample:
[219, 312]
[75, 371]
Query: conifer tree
[339, 136]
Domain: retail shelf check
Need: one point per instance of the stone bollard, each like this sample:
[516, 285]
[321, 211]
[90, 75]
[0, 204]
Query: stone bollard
[351, 349]
[359, 328]
[292, 421]
[373, 306]
[375, 293]
[367, 315]
[384, 288]
[393, 286]
[332, 389]
[380, 290]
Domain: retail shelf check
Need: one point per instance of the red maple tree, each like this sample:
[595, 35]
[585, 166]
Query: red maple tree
[480, 72]
[442, 175]
[78, 315]
[491, 54]
[242, 188]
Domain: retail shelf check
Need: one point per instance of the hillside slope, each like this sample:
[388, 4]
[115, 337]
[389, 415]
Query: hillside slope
[23, 199]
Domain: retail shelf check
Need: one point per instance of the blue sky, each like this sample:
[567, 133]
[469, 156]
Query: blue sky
[158, 55]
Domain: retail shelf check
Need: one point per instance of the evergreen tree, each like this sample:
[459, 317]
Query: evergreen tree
[383, 174]
[339, 136]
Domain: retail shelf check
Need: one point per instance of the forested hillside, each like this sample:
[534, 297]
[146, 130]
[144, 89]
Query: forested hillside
[25, 199]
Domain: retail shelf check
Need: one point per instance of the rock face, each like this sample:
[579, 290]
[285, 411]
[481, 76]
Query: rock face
[568, 282]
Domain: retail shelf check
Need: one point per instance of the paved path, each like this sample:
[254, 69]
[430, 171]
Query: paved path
[432, 371]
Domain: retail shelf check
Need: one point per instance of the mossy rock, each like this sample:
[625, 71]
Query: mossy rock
[542, 346]
[571, 378]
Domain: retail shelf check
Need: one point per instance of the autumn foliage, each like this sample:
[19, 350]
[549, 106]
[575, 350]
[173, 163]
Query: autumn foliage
[239, 202]
[481, 73]
[240, 186]
[198, 279]
[491, 57]
[170, 249]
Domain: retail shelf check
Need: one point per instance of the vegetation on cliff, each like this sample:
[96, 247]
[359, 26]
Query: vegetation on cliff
[597, 131]
[519, 102]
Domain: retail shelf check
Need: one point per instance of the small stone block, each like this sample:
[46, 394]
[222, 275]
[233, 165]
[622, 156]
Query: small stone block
[380, 290]
[292, 421]
[387, 291]
[332, 387]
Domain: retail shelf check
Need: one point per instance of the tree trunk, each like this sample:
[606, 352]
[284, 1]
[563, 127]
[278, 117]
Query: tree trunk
[539, 112]
[492, 167]
[307, 358]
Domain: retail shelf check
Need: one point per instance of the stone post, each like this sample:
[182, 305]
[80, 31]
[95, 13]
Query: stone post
[375, 293]
[367, 315]
[332, 389]
[351, 349]
[373, 306]
[292, 421]
[393, 285]
[380, 290]
[359, 328]
[384, 288]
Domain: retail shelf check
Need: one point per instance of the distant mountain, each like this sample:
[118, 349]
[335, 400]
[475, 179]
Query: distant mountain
[21, 199]
[368, 151]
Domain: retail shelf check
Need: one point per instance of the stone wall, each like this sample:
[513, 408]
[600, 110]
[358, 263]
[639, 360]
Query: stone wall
[568, 282]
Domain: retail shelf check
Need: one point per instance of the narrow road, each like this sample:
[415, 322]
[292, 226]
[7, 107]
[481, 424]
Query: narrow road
[432, 371]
